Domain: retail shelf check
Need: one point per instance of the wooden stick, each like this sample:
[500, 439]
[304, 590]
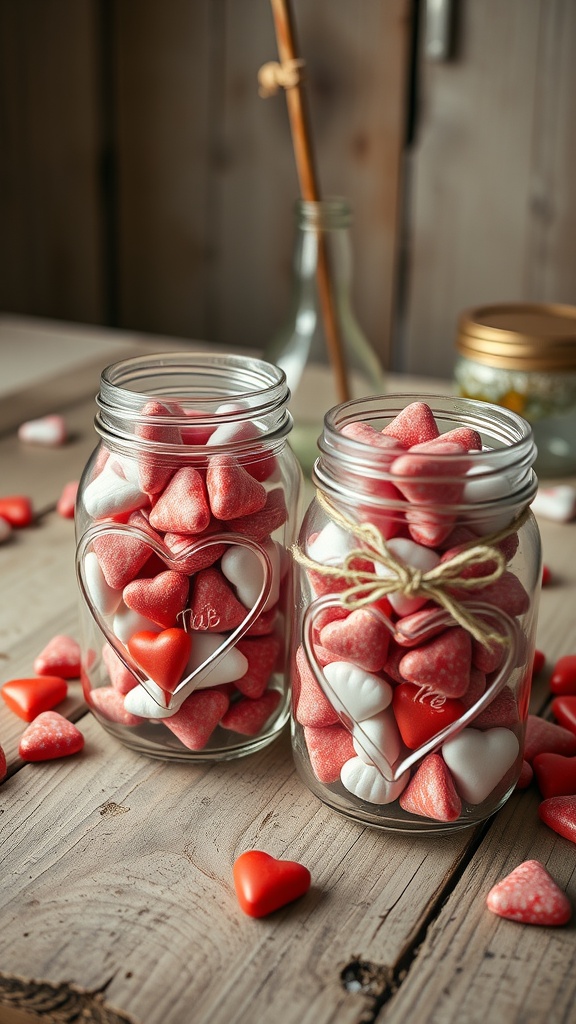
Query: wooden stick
[310, 190]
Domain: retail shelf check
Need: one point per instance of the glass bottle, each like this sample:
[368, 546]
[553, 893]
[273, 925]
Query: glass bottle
[418, 579]
[185, 516]
[302, 348]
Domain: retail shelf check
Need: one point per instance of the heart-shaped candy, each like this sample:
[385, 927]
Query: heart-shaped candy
[163, 656]
[329, 748]
[559, 813]
[431, 791]
[183, 506]
[232, 491]
[563, 678]
[442, 664]
[264, 884]
[421, 713]
[564, 711]
[197, 718]
[479, 760]
[243, 569]
[367, 783]
[377, 740]
[361, 638]
[160, 598]
[529, 894]
[411, 554]
[49, 736]
[360, 693]
[543, 737]
[555, 774]
[60, 657]
[249, 716]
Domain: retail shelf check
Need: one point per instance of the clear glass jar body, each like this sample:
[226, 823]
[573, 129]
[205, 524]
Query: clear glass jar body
[417, 592]
[546, 398]
[186, 511]
[302, 349]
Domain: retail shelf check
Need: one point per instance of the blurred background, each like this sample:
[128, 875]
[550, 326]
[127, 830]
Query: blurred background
[145, 184]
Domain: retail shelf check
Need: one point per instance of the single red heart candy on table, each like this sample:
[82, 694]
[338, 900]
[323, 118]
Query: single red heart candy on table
[539, 662]
[249, 716]
[422, 714]
[29, 697]
[328, 748]
[559, 814]
[154, 424]
[262, 524]
[563, 678]
[431, 791]
[311, 705]
[163, 656]
[232, 492]
[213, 604]
[361, 638]
[264, 884]
[543, 737]
[16, 509]
[555, 774]
[442, 664]
[60, 657]
[160, 598]
[261, 653]
[564, 711]
[182, 507]
[121, 555]
[413, 425]
[530, 895]
[50, 735]
[198, 717]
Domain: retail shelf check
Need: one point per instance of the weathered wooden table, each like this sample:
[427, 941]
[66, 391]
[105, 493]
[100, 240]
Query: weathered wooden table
[117, 900]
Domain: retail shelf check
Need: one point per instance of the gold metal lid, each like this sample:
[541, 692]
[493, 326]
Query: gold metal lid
[520, 336]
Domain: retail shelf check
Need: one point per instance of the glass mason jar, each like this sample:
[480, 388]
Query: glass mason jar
[185, 514]
[418, 577]
[322, 315]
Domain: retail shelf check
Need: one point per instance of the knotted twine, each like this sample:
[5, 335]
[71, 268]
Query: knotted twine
[433, 584]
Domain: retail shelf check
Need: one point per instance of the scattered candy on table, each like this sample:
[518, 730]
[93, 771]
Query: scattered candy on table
[530, 895]
[28, 697]
[264, 884]
[60, 657]
[66, 503]
[48, 431]
[563, 678]
[50, 736]
[16, 509]
[556, 503]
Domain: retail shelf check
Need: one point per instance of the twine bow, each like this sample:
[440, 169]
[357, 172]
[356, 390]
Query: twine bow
[433, 584]
[273, 76]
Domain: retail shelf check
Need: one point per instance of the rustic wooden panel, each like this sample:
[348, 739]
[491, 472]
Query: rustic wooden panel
[50, 242]
[492, 200]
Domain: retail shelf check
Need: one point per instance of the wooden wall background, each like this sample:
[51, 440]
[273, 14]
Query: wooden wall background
[145, 184]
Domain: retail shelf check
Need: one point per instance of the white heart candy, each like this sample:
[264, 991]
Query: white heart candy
[104, 598]
[233, 665]
[488, 488]
[366, 782]
[110, 494]
[479, 760]
[243, 569]
[126, 622]
[362, 694]
[377, 738]
[139, 702]
[416, 555]
[331, 545]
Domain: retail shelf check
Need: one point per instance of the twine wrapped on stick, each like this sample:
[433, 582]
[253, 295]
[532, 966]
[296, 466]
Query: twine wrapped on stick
[433, 584]
[289, 75]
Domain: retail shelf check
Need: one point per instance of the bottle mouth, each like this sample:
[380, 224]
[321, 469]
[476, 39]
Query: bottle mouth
[346, 465]
[327, 214]
[213, 389]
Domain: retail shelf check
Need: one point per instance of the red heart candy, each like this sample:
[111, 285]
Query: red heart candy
[183, 505]
[563, 678]
[120, 555]
[232, 491]
[160, 598]
[60, 657]
[559, 813]
[249, 717]
[555, 774]
[153, 475]
[564, 710]
[264, 884]
[529, 894]
[50, 735]
[443, 663]
[361, 638]
[413, 425]
[29, 697]
[420, 714]
[213, 604]
[261, 524]
[109, 702]
[16, 509]
[544, 737]
[329, 748]
[261, 654]
[311, 706]
[431, 791]
[197, 718]
[163, 656]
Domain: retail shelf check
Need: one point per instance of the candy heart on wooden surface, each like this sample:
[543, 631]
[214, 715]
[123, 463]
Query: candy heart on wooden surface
[248, 716]
[431, 791]
[564, 711]
[263, 884]
[418, 557]
[182, 507]
[163, 656]
[378, 739]
[328, 748]
[16, 509]
[48, 431]
[160, 598]
[244, 570]
[530, 895]
[422, 714]
[232, 491]
[29, 697]
[543, 737]
[361, 638]
[555, 774]
[361, 693]
[559, 813]
[442, 664]
[60, 657]
[49, 736]
[198, 717]
[367, 783]
[479, 760]
[563, 678]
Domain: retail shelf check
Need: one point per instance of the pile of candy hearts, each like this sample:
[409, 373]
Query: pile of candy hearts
[193, 620]
[400, 687]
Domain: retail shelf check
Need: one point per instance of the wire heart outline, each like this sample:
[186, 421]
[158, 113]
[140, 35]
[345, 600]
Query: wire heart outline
[392, 773]
[190, 683]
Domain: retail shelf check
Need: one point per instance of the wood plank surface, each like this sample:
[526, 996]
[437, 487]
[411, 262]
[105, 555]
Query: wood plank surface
[117, 869]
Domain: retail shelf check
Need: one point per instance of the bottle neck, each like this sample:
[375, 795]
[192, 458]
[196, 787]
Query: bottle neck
[323, 235]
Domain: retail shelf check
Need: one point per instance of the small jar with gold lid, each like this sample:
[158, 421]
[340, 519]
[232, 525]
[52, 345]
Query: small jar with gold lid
[523, 356]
